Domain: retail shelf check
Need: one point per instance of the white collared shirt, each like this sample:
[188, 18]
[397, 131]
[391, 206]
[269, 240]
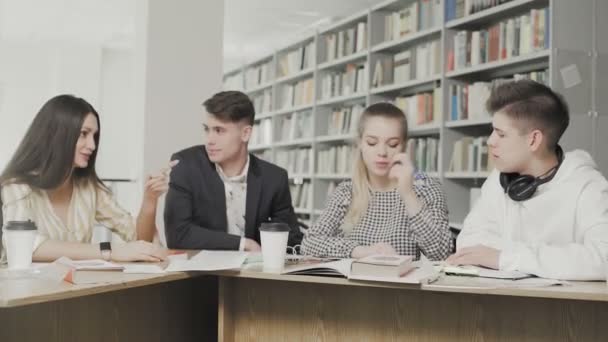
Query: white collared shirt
[235, 188]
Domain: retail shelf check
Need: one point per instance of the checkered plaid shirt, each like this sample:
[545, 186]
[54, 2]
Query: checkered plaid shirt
[386, 220]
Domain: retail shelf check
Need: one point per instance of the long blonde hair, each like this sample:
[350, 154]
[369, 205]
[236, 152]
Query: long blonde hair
[360, 177]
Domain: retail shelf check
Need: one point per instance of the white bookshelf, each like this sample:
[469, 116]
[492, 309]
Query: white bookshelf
[570, 43]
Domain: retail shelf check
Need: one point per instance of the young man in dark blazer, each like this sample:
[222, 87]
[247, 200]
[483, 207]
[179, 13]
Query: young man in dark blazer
[219, 194]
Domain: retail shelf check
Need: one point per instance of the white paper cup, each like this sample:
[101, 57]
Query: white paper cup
[274, 245]
[19, 237]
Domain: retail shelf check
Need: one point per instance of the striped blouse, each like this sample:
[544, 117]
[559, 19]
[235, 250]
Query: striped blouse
[89, 205]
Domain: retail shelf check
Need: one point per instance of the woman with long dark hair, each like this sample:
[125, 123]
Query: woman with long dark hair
[51, 180]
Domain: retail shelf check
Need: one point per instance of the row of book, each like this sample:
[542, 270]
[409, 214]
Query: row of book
[420, 62]
[297, 94]
[335, 160]
[350, 81]
[345, 42]
[300, 58]
[417, 16]
[262, 102]
[420, 109]
[295, 161]
[261, 134]
[294, 126]
[344, 120]
[468, 101]
[456, 9]
[233, 82]
[301, 195]
[424, 153]
[258, 75]
[470, 154]
[509, 38]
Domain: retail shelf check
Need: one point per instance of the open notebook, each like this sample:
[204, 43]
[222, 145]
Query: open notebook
[423, 271]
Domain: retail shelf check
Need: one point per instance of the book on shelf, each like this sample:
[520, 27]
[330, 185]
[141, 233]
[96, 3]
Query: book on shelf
[345, 42]
[293, 126]
[301, 196]
[422, 108]
[295, 160]
[474, 195]
[414, 17]
[344, 120]
[261, 134]
[258, 75]
[262, 103]
[424, 153]
[470, 154]
[467, 101]
[456, 9]
[402, 62]
[416, 63]
[335, 160]
[297, 94]
[233, 82]
[298, 59]
[509, 38]
[383, 72]
[350, 81]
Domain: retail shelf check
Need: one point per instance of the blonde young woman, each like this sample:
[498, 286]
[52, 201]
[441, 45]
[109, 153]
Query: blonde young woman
[387, 207]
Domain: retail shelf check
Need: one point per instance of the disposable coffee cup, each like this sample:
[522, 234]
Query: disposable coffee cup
[19, 237]
[274, 245]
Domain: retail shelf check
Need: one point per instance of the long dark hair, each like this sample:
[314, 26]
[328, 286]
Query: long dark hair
[45, 157]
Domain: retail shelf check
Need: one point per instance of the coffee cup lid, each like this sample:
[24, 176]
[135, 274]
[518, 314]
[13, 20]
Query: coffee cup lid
[274, 227]
[20, 225]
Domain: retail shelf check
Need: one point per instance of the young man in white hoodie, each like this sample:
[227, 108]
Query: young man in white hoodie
[541, 211]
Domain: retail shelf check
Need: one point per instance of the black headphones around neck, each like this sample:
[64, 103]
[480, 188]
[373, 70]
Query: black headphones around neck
[522, 187]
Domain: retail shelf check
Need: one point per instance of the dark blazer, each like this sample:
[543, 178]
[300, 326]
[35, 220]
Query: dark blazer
[195, 207]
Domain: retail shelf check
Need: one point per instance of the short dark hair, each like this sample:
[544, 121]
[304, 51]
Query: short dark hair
[535, 104]
[232, 106]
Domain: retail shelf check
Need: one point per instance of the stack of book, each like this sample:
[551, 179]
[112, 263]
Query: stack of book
[417, 16]
[420, 109]
[509, 38]
[346, 42]
[424, 152]
[301, 58]
[470, 154]
[350, 81]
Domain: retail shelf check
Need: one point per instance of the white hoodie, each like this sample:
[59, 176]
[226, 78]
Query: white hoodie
[561, 232]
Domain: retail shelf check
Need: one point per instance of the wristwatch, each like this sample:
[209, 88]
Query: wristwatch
[106, 250]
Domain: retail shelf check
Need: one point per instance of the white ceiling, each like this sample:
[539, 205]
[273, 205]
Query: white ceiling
[254, 28]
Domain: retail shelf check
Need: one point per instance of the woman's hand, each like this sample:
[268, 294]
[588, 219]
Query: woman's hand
[139, 251]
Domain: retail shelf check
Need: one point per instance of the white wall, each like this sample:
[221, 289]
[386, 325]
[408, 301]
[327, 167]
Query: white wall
[181, 49]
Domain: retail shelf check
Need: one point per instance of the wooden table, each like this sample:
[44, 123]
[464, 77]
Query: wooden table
[256, 306]
[251, 305]
[167, 307]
